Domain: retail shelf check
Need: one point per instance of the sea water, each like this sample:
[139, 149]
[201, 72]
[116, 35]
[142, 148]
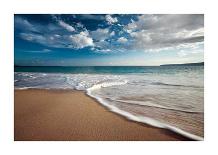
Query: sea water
[170, 97]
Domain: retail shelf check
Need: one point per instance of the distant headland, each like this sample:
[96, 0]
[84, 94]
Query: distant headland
[186, 64]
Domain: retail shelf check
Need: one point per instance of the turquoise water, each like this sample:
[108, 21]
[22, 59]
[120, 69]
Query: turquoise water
[169, 97]
[109, 69]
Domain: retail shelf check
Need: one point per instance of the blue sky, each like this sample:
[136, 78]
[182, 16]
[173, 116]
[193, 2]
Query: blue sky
[101, 40]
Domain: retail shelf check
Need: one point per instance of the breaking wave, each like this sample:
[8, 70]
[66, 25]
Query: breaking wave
[136, 118]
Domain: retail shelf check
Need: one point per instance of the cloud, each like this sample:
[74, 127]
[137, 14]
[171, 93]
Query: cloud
[152, 32]
[22, 23]
[101, 50]
[52, 35]
[110, 19]
[46, 50]
[141, 33]
[112, 33]
[26, 26]
[81, 40]
[186, 53]
[92, 17]
[37, 51]
[33, 37]
[182, 53]
[170, 22]
[66, 26]
[75, 41]
[45, 40]
[144, 22]
[122, 40]
[79, 25]
[102, 45]
[100, 34]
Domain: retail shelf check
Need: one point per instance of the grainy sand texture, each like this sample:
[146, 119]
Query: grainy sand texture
[71, 115]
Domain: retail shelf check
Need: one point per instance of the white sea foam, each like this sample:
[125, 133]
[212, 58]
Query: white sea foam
[107, 84]
[136, 118]
[23, 88]
[150, 104]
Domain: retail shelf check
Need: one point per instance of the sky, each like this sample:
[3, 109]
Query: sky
[108, 39]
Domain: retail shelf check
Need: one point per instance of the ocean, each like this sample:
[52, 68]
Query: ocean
[170, 97]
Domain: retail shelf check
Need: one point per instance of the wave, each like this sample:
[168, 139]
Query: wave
[174, 85]
[137, 118]
[150, 104]
[107, 84]
[23, 88]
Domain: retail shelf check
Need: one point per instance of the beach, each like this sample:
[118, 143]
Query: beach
[62, 115]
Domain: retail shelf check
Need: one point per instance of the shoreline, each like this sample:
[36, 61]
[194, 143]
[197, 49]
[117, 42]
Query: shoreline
[41, 114]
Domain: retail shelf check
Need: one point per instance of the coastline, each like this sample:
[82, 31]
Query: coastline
[73, 115]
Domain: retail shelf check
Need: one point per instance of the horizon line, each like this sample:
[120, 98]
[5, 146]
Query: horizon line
[109, 65]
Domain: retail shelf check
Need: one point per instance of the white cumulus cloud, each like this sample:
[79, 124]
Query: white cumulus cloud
[122, 40]
[66, 26]
[81, 40]
[110, 19]
[100, 34]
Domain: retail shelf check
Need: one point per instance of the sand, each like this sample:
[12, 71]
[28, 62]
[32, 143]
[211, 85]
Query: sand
[55, 115]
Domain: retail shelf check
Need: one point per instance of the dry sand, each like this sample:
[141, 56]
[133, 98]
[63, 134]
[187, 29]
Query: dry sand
[71, 115]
